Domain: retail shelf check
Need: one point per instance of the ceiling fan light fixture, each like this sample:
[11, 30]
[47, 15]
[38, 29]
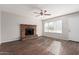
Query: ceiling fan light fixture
[42, 13]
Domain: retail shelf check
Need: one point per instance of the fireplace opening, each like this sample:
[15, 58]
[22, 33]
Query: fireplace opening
[29, 31]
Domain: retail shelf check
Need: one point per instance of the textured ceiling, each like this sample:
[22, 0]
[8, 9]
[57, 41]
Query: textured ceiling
[56, 9]
[28, 9]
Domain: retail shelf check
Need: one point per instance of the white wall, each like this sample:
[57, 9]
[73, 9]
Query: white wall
[57, 35]
[70, 27]
[0, 27]
[74, 27]
[10, 26]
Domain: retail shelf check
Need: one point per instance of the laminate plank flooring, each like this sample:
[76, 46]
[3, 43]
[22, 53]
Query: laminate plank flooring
[40, 46]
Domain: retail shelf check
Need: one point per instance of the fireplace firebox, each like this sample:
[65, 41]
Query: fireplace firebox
[27, 31]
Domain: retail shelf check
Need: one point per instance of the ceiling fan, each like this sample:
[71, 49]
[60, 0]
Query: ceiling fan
[42, 13]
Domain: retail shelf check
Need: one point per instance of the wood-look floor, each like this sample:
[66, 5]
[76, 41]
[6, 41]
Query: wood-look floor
[40, 46]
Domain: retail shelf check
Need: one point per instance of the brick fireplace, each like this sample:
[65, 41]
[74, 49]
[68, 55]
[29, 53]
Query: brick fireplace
[27, 31]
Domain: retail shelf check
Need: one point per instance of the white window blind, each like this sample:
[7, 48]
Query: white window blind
[54, 26]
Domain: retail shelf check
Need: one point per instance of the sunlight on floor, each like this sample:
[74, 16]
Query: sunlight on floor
[56, 47]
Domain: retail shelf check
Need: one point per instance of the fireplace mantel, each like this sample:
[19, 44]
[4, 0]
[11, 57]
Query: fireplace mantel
[23, 28]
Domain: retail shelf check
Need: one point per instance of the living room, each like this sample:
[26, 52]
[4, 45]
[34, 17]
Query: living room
[33, 29]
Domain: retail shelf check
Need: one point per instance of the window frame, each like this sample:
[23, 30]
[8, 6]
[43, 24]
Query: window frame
[60, 31]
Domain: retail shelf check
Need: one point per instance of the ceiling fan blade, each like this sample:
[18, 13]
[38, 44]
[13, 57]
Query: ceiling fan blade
[37, 15]
[36, 12]
[41, 10]
[47, 14]
[45, 11]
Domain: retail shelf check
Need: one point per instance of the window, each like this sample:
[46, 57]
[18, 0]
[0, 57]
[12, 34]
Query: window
[54, 27]
[46, 27]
